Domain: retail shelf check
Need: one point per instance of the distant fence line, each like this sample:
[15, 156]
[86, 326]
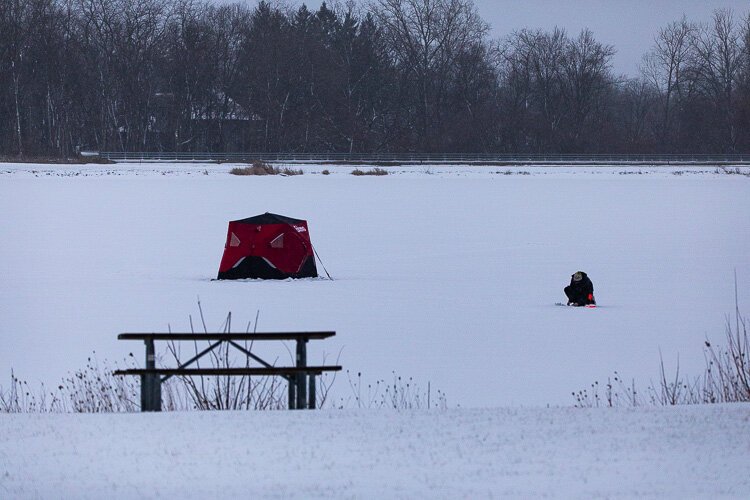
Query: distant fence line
[435, 158]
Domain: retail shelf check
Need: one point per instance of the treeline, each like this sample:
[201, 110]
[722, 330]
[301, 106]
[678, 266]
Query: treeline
[394, 76]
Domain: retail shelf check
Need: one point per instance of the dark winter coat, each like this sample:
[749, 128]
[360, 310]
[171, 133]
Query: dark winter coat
[580, 292]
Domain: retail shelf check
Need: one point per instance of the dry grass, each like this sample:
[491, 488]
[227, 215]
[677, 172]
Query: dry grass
[399, 394]
[726, 378]
[257, 168]
[291, 171]
[733, 171]
[261, 168]
[372, 171]
[93, 389]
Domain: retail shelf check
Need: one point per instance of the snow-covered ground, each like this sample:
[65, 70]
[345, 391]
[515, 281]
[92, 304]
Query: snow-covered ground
[447, 274]
[676, 453]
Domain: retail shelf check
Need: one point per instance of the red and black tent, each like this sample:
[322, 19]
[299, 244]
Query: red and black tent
[268, 246]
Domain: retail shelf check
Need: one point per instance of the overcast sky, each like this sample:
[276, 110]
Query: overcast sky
[629, 25]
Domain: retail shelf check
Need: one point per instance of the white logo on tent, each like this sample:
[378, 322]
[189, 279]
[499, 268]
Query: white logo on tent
[278, 242]
[235, 241]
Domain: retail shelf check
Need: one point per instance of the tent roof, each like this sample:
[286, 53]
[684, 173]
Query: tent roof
[269, 218]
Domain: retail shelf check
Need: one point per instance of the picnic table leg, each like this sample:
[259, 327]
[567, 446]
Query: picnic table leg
[292, 397]
[302, 377]
[150, 384]
[145, 392]
[311, 395]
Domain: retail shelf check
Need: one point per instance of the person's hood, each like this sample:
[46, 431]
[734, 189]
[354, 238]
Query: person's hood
[578, 276]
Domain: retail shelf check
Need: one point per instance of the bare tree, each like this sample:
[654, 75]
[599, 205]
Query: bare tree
[425, 38]
[387, 75]
[586, 68]
[225, 101]
[126, 37]
[718, 65]
[17, 18]
[638, 100]
[664, 66]
[535, 62]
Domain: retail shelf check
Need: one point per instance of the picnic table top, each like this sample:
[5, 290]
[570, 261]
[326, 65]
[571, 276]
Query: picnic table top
[273, 370]
[227, 336]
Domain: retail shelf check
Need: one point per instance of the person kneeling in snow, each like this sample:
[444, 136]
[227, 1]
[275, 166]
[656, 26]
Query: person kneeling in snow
[580, 292]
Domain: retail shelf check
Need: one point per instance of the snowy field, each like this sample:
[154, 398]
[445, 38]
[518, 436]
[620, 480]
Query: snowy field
[667, 453]
[446, 274]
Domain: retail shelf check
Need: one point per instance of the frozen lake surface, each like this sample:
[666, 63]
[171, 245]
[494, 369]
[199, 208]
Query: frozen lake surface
[445, 274]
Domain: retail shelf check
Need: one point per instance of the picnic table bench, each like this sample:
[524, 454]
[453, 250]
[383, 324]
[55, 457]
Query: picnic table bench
[301, 377]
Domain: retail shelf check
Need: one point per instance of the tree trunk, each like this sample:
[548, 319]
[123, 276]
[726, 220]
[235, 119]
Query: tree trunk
[18, 110]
